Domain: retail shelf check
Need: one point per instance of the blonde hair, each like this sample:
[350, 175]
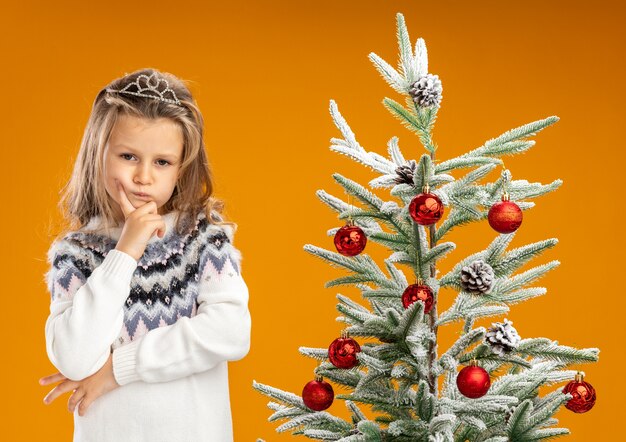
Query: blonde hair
[84, 196]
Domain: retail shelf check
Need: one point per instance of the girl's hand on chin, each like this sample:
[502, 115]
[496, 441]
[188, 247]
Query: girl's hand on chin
[139, 226]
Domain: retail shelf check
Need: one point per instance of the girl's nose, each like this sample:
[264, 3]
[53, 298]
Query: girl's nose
[143, 174]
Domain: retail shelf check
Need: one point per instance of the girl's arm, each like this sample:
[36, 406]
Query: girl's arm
[219, 332]
[86, 311]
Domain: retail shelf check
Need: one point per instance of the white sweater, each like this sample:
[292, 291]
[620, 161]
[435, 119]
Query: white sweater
[172, 321]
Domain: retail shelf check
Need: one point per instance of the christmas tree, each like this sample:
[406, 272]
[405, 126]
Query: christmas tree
[490, 376]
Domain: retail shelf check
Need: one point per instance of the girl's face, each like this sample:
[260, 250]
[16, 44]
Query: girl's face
[145, 156]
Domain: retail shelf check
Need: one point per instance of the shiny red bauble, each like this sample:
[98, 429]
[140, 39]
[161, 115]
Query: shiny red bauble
[350, 240]
[318, 395]
[473, 381]
[342, 352]
[583, 395]
[426, 208]
[505, 216]
[418, 292]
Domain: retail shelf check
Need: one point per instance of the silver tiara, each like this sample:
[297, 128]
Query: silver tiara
[149, 89]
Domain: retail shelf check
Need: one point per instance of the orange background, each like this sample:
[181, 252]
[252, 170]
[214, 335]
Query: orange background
[263, 74]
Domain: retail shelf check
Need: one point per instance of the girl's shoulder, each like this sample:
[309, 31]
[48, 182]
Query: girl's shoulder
[67, 241]
[215, 224]
[87, 242]
[215, 243]
[68, 250]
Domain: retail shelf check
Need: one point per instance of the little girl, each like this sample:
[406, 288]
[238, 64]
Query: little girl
[147, 299]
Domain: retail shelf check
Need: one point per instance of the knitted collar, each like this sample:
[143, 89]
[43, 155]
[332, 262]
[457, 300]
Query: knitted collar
[95, 226]
[158, 250]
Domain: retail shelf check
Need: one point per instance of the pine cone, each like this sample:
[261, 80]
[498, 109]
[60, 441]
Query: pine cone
[405, 173]
[502, 337]
[427, 91]
[477, 277]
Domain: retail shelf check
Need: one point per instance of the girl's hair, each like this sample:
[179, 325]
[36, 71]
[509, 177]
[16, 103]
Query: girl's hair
[84, 196]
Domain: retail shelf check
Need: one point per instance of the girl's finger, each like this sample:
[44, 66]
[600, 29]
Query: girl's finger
[125, 204]
[159, 227]
[150, 207]
[82, 407]
[59, 390]
[52, 378]
[74, 399]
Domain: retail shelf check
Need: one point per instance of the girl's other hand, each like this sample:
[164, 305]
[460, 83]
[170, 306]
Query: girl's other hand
[85, 391]
[139, 226]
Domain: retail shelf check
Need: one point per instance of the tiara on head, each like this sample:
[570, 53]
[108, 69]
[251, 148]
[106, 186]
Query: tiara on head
[149, 89]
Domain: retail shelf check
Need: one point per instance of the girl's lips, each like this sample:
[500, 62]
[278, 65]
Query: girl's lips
[142, 196]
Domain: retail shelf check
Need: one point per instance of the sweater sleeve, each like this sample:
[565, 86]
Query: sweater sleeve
[86, 309]
[220, 331]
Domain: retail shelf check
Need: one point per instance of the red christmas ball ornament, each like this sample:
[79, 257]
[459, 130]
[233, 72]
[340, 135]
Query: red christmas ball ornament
[426, 208]
[505, 216]
[418, 292]
[342, 351]
[583, 395]
[473, 381]
[350, 240]
[318, 395]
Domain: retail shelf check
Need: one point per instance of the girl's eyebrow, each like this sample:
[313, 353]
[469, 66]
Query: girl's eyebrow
[170, 155]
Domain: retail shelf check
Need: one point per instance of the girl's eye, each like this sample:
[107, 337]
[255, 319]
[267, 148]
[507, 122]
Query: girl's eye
[124, 155]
